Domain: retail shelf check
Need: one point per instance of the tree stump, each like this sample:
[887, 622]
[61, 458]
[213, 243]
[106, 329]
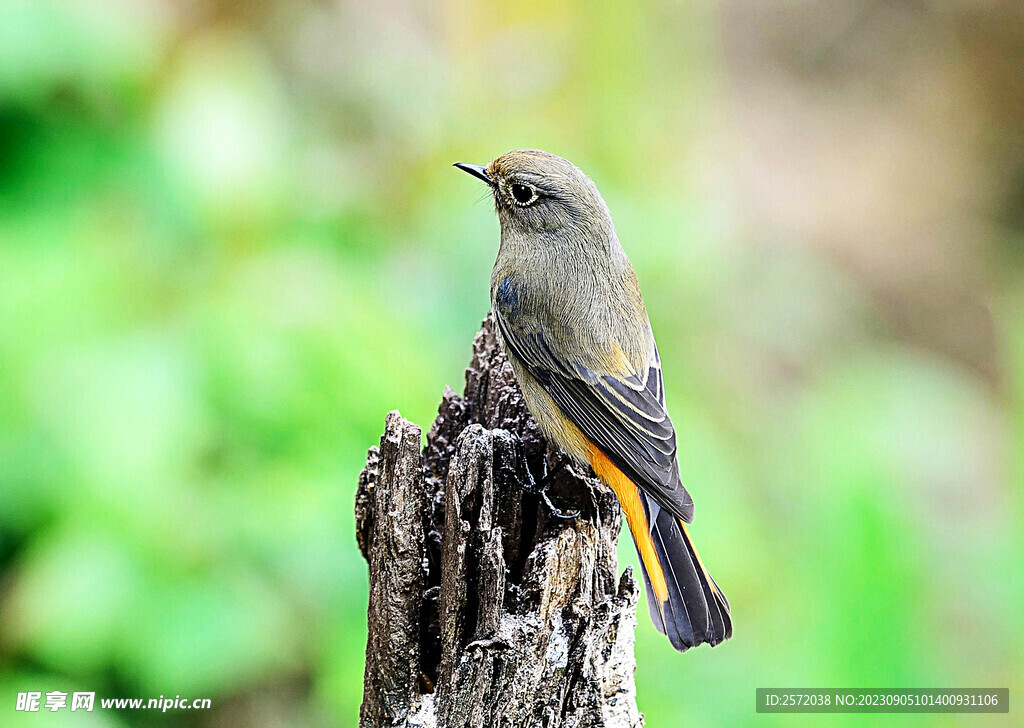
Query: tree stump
[486, 609]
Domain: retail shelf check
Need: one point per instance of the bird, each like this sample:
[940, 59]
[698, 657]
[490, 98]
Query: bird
[574, 327]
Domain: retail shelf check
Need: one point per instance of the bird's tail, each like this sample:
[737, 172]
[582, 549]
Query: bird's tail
[685, 602]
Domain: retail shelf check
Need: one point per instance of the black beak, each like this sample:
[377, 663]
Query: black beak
[476, 170]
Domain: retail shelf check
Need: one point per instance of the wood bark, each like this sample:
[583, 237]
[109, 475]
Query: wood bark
[485, 609]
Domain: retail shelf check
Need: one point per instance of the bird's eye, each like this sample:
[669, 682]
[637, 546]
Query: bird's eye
[524, 194]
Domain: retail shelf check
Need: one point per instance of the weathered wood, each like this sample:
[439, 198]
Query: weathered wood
[485, 609]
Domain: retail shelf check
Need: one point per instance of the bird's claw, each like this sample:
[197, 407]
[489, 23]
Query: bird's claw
[555, 511]
[541, 489]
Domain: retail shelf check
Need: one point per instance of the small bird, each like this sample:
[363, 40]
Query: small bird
[571, 320]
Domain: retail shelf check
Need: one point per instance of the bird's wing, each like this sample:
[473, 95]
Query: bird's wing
[624, 417]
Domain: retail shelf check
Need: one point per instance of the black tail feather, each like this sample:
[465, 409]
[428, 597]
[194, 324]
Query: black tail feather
[695, 610]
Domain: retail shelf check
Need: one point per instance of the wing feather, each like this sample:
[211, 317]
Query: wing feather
[625, 417]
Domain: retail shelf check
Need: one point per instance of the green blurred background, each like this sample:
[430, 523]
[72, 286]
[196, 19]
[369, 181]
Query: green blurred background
[231, 241]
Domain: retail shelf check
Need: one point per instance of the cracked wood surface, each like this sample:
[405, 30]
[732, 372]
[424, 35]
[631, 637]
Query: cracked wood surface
[484, 608]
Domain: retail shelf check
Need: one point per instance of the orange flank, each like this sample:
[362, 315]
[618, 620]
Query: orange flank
[629, 499]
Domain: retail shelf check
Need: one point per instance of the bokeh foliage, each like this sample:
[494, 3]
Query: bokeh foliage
[230, 242]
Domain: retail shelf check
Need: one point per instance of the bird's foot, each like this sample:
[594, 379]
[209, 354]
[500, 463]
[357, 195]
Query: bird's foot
[541, 489]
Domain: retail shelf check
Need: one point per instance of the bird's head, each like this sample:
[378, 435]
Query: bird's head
[538, 192]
